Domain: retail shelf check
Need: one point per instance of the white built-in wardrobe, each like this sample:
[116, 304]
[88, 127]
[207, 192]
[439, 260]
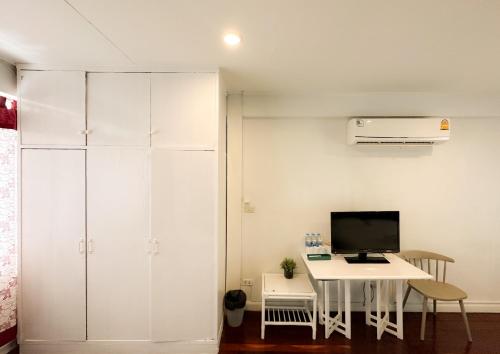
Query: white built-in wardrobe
[122, 193]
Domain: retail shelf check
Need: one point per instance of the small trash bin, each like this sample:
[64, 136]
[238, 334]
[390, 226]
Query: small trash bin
[234, 303]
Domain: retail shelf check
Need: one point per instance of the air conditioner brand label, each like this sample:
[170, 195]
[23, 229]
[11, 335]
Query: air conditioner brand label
[445, 124]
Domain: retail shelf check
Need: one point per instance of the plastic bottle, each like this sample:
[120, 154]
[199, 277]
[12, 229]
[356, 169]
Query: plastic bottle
[320, 244]
[312, 249]
[308, 243]
[314, 239]
[319, 241]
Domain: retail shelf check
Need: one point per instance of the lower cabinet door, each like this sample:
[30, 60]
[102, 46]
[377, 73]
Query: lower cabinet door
[118, 234]
[52, 245]
[183, 214]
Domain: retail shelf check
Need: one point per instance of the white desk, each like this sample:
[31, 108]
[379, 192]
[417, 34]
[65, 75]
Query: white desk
[337, 268]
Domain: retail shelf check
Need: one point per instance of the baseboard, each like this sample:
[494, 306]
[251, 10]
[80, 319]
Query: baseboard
[442, 306]
[6, 348]
[120, 347]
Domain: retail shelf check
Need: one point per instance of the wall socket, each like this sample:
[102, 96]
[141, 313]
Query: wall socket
[248, 207]
[247, 282]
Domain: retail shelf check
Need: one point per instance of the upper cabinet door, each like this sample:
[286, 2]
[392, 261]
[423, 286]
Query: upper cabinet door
[118, 109]
[52, 107]
[184, 111]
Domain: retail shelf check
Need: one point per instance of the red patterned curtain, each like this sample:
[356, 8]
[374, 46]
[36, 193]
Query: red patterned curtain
[8, 113]
[8, 267]
[8, 255]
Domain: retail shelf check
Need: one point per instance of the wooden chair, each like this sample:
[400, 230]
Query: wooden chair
[434, 289]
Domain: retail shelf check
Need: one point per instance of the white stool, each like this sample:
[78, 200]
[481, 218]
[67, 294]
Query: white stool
[297, 291]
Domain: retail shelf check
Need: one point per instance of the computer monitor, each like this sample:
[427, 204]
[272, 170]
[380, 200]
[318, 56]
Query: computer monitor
[365, 232]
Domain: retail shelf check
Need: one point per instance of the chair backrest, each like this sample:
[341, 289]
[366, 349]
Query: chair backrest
[425, 259]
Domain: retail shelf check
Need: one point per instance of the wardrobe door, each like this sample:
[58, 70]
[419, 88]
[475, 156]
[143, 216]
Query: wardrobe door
[52, 107]
[184, 111]
[118, 109]
[53, 245]
[183, 212]
[118, 231]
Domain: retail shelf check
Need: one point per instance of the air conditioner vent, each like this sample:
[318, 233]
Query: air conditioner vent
[407, 142]
[420, 142]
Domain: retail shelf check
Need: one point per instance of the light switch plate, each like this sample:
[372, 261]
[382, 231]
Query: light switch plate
[247, 282]
[248, 207]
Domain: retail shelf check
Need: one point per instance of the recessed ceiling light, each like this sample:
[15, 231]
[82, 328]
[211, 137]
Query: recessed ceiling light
[232, 39]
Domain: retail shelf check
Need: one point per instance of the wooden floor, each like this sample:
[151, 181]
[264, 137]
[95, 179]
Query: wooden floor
[445, 333]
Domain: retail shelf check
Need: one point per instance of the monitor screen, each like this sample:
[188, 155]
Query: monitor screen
[365, 231]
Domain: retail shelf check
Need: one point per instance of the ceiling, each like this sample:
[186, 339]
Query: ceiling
[287, 45]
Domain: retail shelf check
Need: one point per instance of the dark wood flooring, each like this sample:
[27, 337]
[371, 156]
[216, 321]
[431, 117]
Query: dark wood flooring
[445, 333]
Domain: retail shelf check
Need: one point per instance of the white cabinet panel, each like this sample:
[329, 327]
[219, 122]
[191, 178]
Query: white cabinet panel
[52, 107]
[118, 228]
[53, 248]
[183, 214]
[183, 111]
[118, 109]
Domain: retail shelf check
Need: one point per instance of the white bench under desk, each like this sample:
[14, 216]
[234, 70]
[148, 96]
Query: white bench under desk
[291, 302]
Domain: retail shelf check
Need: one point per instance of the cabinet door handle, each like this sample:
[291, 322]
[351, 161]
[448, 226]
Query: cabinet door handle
[81, 246]
[90, 246]
[156, 246]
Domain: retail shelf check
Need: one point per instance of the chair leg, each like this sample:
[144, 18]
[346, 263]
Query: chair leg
[464, 315]
[434, 307]
[406, 296]
[424, 314]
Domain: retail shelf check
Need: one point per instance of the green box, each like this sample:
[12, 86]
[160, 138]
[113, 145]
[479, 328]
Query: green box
[319, 257]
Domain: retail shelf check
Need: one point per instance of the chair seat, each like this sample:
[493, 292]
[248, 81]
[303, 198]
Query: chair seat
[438, 290]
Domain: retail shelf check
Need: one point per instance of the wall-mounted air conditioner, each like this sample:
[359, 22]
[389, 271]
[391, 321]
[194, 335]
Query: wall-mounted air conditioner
[398, 131]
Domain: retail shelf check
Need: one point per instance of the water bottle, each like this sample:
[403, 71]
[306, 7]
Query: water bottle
[322, 249]
[308, 243]
[314, 248]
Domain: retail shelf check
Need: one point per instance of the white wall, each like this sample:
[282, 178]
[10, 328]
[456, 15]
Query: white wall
[221, 210]
[234, 187]
[457, 104]
[8, 81]
[297, 170]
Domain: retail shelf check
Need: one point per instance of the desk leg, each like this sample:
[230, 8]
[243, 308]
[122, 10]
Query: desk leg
[340, 304]
[326, 286]
[379, 314]
[321, 297]
[399, 308]
[368, 302]
[386, 301]
[315, 304]
[263, 318]
[347, 299]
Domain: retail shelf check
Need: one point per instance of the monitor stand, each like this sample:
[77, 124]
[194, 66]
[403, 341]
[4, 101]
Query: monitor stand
[363, 258]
